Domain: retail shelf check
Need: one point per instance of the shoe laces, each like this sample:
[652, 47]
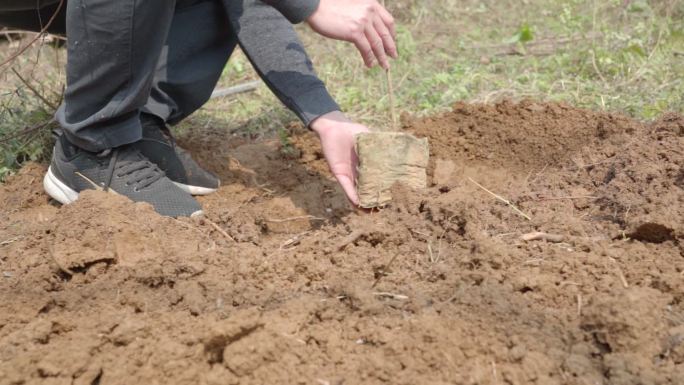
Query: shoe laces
[136, 171]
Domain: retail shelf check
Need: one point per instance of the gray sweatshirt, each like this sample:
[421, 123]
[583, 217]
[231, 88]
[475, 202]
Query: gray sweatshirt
[278, 55]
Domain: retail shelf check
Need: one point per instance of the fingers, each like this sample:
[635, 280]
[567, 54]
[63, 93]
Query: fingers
[388, 20]
[387, 38]
[377, 40]
[377, 46]
[348, 186]
[364, 47]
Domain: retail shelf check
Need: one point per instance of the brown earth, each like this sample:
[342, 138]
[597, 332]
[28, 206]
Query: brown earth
[283, 283]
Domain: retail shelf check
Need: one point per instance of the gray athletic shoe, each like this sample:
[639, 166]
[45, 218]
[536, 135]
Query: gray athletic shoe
[159, 146]
[122, 170]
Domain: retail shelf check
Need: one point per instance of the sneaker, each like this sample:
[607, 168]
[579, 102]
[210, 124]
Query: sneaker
[159, 146]
[122, 170]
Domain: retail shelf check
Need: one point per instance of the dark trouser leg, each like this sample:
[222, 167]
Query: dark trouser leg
[196, 51]
[35, 20]
[113, 50]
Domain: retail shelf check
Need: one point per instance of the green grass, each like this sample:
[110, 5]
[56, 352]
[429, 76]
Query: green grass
[614, 55]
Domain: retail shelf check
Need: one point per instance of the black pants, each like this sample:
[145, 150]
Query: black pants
[163, 57]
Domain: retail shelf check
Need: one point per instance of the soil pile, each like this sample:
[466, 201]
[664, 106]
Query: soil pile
[282, 283]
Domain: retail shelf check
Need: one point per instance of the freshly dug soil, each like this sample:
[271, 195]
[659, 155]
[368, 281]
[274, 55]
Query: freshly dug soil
[283, 283]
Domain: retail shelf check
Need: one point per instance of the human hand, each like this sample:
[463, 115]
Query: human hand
[365, 23]
[337, 133]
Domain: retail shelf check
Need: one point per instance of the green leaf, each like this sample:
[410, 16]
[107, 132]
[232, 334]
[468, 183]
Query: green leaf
[523, 35]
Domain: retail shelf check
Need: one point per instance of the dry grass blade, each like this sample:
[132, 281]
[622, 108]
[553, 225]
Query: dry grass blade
[390, 91]
[384, 270]
[309, 217]
[35, 91]
[502, 199]
[219, 229]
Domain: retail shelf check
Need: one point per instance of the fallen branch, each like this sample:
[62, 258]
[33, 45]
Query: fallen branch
[502, 199]
[539, 236]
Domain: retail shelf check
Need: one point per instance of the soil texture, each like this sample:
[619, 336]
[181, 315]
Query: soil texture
[283, 283]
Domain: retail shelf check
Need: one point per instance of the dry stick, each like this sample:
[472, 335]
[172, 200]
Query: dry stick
[309, 217]
[502, 199]
[35, 91]
[11, 240]
[579, 305]
[564, 198]
[349, 239]
[384, 270]
[26, 131]
[539, 236]
[391, 295]
[219, 229]
[623, 280]
[41, 33]
[390, 92]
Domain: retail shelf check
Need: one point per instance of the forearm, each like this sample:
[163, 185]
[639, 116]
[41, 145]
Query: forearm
[275, 51]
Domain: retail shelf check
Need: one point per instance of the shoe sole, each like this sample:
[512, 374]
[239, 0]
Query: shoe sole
[195, 190]
[65, 195]
[57, 189]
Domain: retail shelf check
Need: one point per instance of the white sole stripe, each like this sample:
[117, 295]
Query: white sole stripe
[195, 190]
[57, 189]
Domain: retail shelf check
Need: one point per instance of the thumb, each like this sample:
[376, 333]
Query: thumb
[348, 186]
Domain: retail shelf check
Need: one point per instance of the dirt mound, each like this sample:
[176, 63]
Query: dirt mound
[283, 283]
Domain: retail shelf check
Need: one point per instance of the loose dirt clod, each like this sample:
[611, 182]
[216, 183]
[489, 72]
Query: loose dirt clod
[386, 158]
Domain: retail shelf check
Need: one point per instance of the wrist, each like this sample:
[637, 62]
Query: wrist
[313, 11]
[328, 121]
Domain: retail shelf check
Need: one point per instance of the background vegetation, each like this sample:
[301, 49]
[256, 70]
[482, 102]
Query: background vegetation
[617, 55]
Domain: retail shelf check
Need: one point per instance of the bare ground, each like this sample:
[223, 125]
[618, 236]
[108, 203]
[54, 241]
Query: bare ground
[283, 283]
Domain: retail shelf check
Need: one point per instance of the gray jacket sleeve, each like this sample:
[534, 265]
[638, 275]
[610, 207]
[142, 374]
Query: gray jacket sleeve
[295, 11]
[274, 49]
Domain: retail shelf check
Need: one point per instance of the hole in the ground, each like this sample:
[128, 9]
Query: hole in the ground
[652, 233]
